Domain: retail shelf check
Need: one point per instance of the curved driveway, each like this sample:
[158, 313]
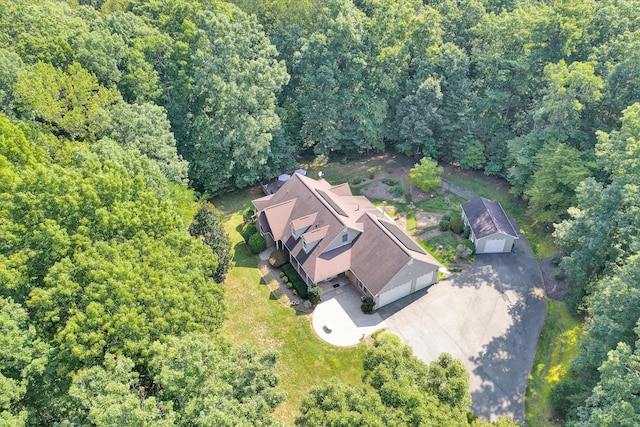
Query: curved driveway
[489, 316]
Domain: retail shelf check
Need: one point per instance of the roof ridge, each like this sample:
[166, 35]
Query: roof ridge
[493, 219]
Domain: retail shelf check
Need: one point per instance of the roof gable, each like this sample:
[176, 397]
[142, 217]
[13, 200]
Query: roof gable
[487, 217]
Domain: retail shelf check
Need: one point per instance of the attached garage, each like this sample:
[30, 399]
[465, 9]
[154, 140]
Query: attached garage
[425, 280]
[393, 294]
[491, 230]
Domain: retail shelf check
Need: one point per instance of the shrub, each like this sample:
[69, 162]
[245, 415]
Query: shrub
[355, 181]
[282, 274]
[296, 281]
[446, 217]
[392, 182]
[463, 252]
[468, 243]
[385, 181]
[248, 230]
[466, 232]
[555, 259]
[456, 225]
[558, 274]
[278, 258]
[285, 279]
[444, 225]
[367, 305]
[257, 243]
[372, 175]
[397, 191]
[248, 214]
[315, 294]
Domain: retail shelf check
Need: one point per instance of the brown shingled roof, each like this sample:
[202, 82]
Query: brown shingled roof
[487, 217]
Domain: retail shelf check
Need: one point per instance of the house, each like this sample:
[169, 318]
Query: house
[328, 231]
[491, 229]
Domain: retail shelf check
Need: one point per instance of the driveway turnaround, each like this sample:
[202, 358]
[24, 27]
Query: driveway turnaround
[339, 320]
[489, 316]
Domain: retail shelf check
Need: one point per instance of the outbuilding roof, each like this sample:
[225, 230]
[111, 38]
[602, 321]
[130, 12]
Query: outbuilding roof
[487, 217]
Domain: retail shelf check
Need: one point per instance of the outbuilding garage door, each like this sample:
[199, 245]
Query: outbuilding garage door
[494, 245]
[424, 281]
[394, 294]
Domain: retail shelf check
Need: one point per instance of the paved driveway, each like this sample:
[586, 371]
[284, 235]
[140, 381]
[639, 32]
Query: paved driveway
[488, 316]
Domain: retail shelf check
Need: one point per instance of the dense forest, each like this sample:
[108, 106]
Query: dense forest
[115, 114]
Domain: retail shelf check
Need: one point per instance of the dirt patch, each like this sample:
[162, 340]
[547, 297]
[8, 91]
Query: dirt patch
[379, 189]
[555, 288]
[427, 219]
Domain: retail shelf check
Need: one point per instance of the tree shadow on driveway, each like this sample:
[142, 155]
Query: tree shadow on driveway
[488, 316]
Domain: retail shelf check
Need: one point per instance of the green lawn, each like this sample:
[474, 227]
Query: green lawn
[538, 235]
[447, 203]
[443, 248]
[558, 343]
[256, 317]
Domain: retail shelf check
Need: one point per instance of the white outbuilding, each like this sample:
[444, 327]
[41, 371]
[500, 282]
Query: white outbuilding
[491, 229]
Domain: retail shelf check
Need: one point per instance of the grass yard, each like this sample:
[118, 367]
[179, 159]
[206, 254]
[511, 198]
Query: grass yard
[447, 203]
[447, 254]
[558, 343]
[336, 172]
[538, 236]
[256, 317]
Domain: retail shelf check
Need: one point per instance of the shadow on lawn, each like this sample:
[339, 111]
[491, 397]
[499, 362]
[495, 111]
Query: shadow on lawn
[242, 257]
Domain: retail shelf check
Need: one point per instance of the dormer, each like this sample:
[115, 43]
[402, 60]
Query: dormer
[300, 225]
[347, 236]
[311, 238]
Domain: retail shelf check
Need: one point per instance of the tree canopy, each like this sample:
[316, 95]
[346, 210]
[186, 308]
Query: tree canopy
[110, 108]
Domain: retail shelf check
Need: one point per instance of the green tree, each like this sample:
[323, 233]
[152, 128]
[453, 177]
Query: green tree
[235, 121]
[419, 121]
[112, 394]
[339, 404]
[337, 94]
[560, 169]
[206, 383]
[426, 175]
[207, 225]
[601, 230]
[144, 128]
[69, 102]
[614, 400]
[23, 357]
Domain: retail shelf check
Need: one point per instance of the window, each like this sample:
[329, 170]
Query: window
[361, 286]
[345, 237]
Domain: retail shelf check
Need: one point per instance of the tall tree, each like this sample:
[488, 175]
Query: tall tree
[69, 102]
[419, 121]
[560, 169]
[337, 94]
[207, 226]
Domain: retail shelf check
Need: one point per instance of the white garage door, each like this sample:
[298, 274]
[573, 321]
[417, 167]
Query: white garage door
[394, 294]
[494, 245]
[424, 281]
